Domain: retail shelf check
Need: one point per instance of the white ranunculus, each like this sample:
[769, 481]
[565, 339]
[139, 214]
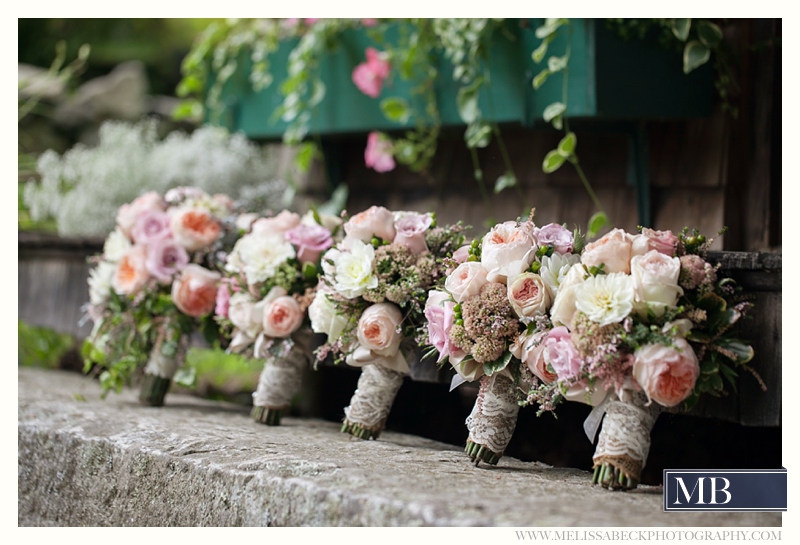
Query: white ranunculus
[655, 280]
[116, 245]
[100, 282]
[324, 318]
[354, 270]
[258, 256]
[555, 268]
[563, 309]
[605, 298]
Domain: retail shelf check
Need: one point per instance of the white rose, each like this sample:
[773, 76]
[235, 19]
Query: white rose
[605, 298]
[563, 309]
[354, 270]
[324, 318]
[508, 249]
[246, 314]
[655, 280]
[466, 280]
[258, 256]
[528, 294]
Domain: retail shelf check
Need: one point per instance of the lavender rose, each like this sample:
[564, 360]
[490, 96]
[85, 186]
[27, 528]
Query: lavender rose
[165, 257]
[557, 235]
[150, 226]
[310, 240]
[410, 231]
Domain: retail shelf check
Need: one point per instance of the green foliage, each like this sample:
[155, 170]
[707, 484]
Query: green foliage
[41, 346]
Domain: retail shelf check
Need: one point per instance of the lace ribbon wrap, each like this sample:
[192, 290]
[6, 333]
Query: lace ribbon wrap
[494, 415]
[625, 436]
[370, 405]
[282, 375]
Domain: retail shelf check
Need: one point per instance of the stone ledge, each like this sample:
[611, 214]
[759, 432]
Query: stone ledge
[199, 463]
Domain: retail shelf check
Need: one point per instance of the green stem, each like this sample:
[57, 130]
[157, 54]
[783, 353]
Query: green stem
[582, 176]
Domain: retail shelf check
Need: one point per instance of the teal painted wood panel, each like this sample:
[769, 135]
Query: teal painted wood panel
[608, 79]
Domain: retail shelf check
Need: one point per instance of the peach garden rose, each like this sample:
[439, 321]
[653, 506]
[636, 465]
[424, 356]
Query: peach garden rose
[378, 329]
[667, 374]
[195, 291]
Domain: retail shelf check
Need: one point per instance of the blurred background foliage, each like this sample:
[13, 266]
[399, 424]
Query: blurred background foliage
[160, 44]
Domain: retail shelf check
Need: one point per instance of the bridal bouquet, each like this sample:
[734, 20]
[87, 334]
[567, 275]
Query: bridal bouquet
[641, 323]
[479, 320]
[371, 302]
[269, 281]
[155, 284]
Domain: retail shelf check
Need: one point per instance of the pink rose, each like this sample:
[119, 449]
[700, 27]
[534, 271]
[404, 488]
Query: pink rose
[376, 221]
[439, 315]
[462, 254]
[368, 76]
[655, 280]
[129, 213]
[529, 349]
[557, 235]
[378, 329]
[279, 224]
[667, 374]
[661, 241]
[310, 240]
[508, 250]
[378, 154]
[194, 228]
[528, 294]
[282, 317]
[411, 228]
[131, 273]
[561, 354]
[613, 249]
[151, 225]
[165, 257]
[466, 281]
[223, 299]
[195, 291]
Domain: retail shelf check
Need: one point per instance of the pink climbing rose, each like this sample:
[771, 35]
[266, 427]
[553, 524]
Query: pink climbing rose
[368, 76]
[378, 154]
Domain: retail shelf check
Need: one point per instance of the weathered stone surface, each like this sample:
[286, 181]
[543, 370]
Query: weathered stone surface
[200, 463]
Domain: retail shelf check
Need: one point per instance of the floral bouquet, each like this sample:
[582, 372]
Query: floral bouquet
[480, 318]
[641, 323]
[270, 278]
[155, 284]
[371, 302]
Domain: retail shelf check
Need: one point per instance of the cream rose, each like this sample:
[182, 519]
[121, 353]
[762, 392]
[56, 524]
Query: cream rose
[195, 290]
[613, 250]
[466, 280]
[246, 314]
[667, 374]
[376, 221]
[655, 280]
[324, 318]
[378, 329]
[131, 272]
[661, 241]
[282, 317]
[194, 228]
[508, 249]
[276, 225]
[528, 295]
[563, 309]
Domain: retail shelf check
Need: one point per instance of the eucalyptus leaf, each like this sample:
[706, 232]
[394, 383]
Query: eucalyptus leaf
[744, 353]
[395, 109]
[552, 161]
[709, 33]
[566, 146]
[596, 222]
[467, 101]
[557, 64]
[539, 53]
[506, 180]
[540, 78]
[695, 55]
[680, 28]
[553, 110]
[478, 135]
